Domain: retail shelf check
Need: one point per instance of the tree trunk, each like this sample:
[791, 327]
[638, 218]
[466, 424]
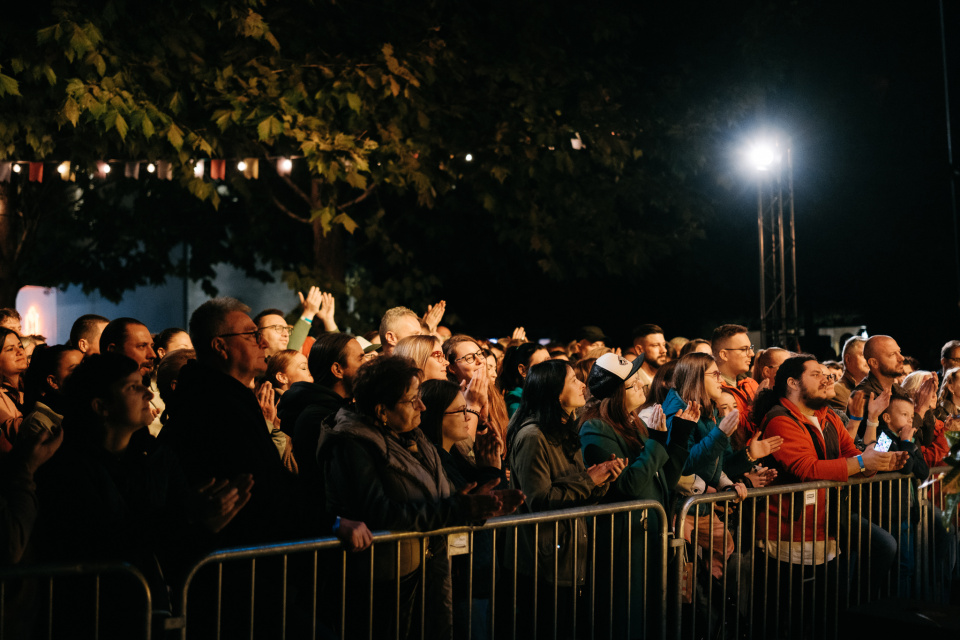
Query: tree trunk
[329, 259]
[10, 234]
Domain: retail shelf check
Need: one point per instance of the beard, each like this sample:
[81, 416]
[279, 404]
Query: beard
[891, 372]
[813, 402]
[653, 363]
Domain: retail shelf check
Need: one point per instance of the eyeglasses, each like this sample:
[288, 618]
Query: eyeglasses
[438, 356]
[416, 400]
[282, 329]
[256, 333]
[464, 411]
[750, 348]
[715, 374]
[470, 358]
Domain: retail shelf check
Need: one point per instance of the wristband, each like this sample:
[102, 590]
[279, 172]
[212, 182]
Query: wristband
[873, 423]
[854, 417]
[306, 319]
[863, 469]
[750, 458]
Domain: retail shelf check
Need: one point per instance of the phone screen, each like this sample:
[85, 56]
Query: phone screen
[884, 442]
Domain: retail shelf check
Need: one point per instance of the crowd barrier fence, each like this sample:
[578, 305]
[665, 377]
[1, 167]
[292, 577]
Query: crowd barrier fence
[727, 570]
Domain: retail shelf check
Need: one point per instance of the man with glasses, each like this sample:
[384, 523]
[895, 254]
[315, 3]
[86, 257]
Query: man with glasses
[949, 357]
[734, 353]
[275, 332]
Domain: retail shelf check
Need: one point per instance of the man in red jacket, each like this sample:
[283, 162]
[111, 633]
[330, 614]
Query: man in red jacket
[816, 446]
[733, 352]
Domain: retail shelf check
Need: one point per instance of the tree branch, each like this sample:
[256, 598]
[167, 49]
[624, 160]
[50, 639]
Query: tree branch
[360, 198]
[287, 211]
[300, 192]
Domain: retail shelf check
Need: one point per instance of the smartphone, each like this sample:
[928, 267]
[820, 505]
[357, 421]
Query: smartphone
[884, 442]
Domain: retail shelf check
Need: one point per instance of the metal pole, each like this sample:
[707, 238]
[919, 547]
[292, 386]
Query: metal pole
[793, 253]
[953, 170]
[763, 286]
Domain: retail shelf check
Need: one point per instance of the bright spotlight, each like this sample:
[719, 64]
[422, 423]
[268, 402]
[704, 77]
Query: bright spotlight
[241, 166]
[151, 168]
[763, 156]
[469, 157]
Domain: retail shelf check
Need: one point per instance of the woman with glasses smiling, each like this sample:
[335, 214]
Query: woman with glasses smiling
[467, 366]
[427, 353]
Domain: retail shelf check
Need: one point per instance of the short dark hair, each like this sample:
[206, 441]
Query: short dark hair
[207, 321]
[329, 348]
[913, 362]
[723, 332]
[268, 312]
[382, 380]
[436, 396]
[85, 326]
[645, 330]
[510, 378]
[116, 332]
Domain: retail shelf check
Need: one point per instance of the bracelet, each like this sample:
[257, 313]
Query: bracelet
[863, 469]
[306, 319]
[855, 417]
[750, 458]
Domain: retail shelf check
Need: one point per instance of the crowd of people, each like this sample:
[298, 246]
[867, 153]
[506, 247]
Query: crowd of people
[155, 448]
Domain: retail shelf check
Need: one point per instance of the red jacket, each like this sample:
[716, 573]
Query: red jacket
[797, 460]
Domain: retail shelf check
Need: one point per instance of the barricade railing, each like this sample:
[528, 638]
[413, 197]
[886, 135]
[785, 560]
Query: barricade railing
[402, 571]
[74, 601]
[789, 560]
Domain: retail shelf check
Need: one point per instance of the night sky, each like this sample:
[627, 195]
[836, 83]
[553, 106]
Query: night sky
[860, 91]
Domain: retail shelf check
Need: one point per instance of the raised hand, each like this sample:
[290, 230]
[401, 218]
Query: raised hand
[265, 398]
[220, 501]
[475, 392]
[691, 412]
[328, 308]
[658, 419]
[487, 448]
[856, 403]
[311, 304]
[730, 422]
[877, 405]
[926, 396]
[762, 448]
[519, 334]
[608, 471]
[434, 315]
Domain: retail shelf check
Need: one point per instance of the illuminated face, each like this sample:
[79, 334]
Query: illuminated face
[13, 358]
[353, 358]
[899, 414]
[889, 360]
[435, 367]
[711, 382]
[726, 404]
[654, 349]
[11, 323]
[138, 345]
[244, 354]
[492, 368]
[467, 359]
[68, 362]
[633, 395]
[813, 389]
[297, 370]
[538, 356]
[457, 423]
[178, 341]
[738, 353]
[405, 415]
[276, 335]
[406, 325]
[572, 396]
[827, 381]
[770, 371]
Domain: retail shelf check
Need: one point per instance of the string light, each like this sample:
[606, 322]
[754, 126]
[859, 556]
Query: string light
[151, 168]
[241, 166]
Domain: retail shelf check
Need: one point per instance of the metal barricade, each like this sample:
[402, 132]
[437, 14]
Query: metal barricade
[42, 601]
[296, 578]
[790, 560]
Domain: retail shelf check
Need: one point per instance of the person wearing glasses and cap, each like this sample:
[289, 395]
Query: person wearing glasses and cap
[655, 457]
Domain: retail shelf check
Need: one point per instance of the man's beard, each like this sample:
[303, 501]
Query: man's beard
[813, 402]
[653, 364]
[891, 373]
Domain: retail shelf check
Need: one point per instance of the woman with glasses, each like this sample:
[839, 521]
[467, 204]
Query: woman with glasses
[427, 353]
[467, 457]
[655, 457]
[547, 464]
[516, 364]
[467, 366]
[380, 469]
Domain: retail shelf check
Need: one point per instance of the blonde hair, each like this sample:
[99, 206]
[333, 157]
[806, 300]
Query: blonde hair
[417, 348]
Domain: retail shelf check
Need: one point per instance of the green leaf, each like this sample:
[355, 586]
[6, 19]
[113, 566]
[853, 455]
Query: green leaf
[423, 120]
[354, 101]
[348, 223]
[8, 85]
[147, 126]
[71, 111]
[357, 180]
[121, 126]
[50, 74]
[175, 136]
